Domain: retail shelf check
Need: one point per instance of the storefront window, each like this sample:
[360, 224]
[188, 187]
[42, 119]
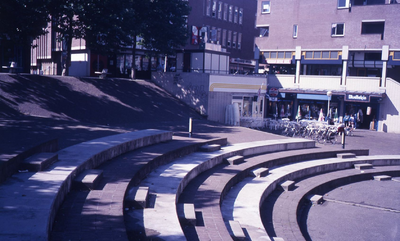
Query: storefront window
[247, 106]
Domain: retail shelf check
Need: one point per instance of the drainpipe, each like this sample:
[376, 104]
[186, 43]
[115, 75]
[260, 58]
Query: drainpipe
[385, 58]
[345, 57]
[297, 58]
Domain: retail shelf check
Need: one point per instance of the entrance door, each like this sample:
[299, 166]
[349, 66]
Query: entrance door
[186, 62]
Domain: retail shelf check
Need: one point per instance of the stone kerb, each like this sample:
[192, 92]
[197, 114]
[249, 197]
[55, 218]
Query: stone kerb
[250, 217]
[52, 186]
[168, 181]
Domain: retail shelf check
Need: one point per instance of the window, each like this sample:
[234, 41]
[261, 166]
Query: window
[219, 36]
[325, 54]
[239, 41]
[224, 37]
[229, 44]
[266, 7]
[338, 29]
[225, 11]
[230, 13]
[220, 10]
[264, 31]
[208, 8]
[343, 3]
[213, 34]
[295, 28]
[321, 54]
[373, 27]
[396, 55]
[236, 15]
[234, 37]
[240, 15]
[214, 9]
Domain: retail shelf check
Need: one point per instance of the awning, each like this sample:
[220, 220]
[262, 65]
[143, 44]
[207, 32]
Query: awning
[317, 94]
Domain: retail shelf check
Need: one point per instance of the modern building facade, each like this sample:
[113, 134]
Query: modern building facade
[221, 41]
[347, 48]
[221, 37]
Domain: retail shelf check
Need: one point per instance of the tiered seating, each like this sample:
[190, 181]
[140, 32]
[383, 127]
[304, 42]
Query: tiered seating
[287, 205]
[252, 193]
[30, 200]
[119, 192]
[142, 195]
[212, 191]
[168, 181]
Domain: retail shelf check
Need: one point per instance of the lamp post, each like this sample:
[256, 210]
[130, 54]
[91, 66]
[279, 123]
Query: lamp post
[329, 94]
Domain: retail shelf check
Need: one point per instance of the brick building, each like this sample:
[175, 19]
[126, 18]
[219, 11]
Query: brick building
[344, 51]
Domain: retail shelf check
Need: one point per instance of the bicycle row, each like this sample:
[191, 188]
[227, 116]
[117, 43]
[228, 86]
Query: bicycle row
[316, 130]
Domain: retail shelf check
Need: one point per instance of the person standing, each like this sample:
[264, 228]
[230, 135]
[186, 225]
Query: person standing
[346, 119]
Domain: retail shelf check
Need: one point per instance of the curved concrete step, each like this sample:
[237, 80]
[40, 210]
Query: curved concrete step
[29, 212]
[166, 183]
[252, 192]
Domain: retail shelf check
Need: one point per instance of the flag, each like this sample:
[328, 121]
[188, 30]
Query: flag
[298, 116]
[321, 115]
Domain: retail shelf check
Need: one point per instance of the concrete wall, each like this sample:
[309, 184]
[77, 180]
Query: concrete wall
[209, 94]
[217, 105]
[191, 88]
[390, 108]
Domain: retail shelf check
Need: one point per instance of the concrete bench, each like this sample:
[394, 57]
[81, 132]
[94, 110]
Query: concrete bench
[315, 199]
[87, 180]
[260, 172]
[234, 160]
[103, 74]
[346, 155]
[287, 185]
[187, 213]
[210, 148]
[237, 231]
[363, 166]
[39, 161]
[137, 198]
[382, 178]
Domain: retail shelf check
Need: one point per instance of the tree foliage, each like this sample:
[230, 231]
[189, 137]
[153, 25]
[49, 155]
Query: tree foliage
[166, 28]
[23, 19]
[106, 25]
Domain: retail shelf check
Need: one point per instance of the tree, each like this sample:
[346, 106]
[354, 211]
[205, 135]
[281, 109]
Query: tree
[21, 22]
[165, 28]
[112, 25]
[65, 17]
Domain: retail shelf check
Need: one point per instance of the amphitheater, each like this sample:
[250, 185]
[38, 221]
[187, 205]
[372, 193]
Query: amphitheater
[151, 180]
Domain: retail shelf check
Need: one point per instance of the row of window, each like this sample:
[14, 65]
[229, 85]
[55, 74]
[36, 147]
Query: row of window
[306, 54]
[266, 5]
[224, 11]
[338, 29]
[229, 39]
[224, 37]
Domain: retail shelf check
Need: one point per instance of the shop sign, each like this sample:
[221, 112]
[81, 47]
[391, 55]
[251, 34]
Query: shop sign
[273, 98]
[357, 97]
[273, 92]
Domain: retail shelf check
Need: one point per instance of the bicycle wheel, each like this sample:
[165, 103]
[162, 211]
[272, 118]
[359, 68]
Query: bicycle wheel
[321, 138]
[333, 138]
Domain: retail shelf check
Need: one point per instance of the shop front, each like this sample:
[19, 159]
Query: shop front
[364, 108]
[309, 105]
